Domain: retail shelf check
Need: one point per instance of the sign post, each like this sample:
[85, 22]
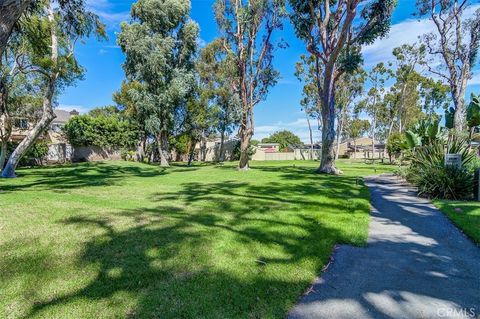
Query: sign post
[453, 160]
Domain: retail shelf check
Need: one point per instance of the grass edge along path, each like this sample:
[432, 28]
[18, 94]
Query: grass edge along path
[464, 214]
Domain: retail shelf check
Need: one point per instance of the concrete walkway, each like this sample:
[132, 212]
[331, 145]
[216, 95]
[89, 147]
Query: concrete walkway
[416, 265]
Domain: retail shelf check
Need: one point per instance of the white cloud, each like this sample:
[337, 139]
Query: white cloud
[405, 32]
[201, 43]
[299, 127]
[475, 79]
[103, 8]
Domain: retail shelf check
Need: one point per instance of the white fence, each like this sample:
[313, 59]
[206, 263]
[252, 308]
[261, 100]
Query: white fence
[298, 154]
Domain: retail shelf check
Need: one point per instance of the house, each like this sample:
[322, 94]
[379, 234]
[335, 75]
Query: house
[271, 152]
[360, 148]
[59, 150]
[209, 150]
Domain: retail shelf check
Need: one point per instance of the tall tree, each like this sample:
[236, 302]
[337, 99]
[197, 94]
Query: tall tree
[129, 99]
[350, 86]
[408, 57]
[52, 33]
[372, 104]
[456, 42]
[10, 12]
[328, 29]
[160, 45]
[247, 27]
[285, 138]
[310, 102]
[216, 67]
[434, 95]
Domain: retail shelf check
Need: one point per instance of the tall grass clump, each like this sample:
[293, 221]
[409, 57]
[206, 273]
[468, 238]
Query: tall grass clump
[428, 172]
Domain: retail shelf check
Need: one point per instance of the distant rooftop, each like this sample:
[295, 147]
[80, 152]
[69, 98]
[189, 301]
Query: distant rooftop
[63, 116]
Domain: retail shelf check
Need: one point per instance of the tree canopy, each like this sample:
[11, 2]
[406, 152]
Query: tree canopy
[285, 138]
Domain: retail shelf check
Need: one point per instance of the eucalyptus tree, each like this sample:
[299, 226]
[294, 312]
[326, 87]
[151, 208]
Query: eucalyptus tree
[334, 32]
[10, 13]
[350, 87]
[408, 58]
[434, 95]
[216, 67]
[306, 74]
[373, 103]
[455, 42]
[129, 99]
[247, 27]
[49, 37]
[160, 45]
[12, 10]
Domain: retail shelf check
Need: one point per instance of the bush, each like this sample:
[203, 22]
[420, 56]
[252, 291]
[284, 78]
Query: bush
[127, 155]
[35, 155]
[103, 131]
[396, 143]
[428, 172]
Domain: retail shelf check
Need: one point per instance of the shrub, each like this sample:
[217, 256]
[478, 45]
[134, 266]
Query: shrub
[102, 131]
[35, 155]
[127, 155]
[428, 172]
[396, 143]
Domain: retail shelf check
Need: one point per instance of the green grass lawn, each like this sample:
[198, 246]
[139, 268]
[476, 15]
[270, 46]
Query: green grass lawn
[466, 215]
[127, 240]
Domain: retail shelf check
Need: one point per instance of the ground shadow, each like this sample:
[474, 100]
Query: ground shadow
[168, 258]
[80, 175]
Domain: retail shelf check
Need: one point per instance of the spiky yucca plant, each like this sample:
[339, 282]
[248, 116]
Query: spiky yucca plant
[433, 179]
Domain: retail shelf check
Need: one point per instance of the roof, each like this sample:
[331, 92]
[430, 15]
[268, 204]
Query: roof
[268, 144]
[63, 116]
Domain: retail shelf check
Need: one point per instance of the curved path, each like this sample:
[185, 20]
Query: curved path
[416, 265]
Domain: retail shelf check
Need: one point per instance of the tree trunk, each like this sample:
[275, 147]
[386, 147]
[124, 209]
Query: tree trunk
[311, 139]
[34, 134]
[246, 134]
[203, 148]
[339, 133]
[354, 149]
[141, 148]
[374, 127]
[459, 119]
[327, 164]
[163, 148]
[221, 152]
[5, 124]
[191, 151]
[48, 115]
[245, 137]
[3, 154]
[10, 12]
[390, 130]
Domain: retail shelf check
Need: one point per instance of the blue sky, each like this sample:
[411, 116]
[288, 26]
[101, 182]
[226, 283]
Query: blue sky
[103, 62]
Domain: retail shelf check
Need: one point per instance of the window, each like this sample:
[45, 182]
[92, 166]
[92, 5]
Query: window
[21, 124]
[56, 128]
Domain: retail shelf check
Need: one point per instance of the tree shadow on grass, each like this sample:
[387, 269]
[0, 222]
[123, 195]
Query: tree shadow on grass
[78, 175]
[216, 250]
